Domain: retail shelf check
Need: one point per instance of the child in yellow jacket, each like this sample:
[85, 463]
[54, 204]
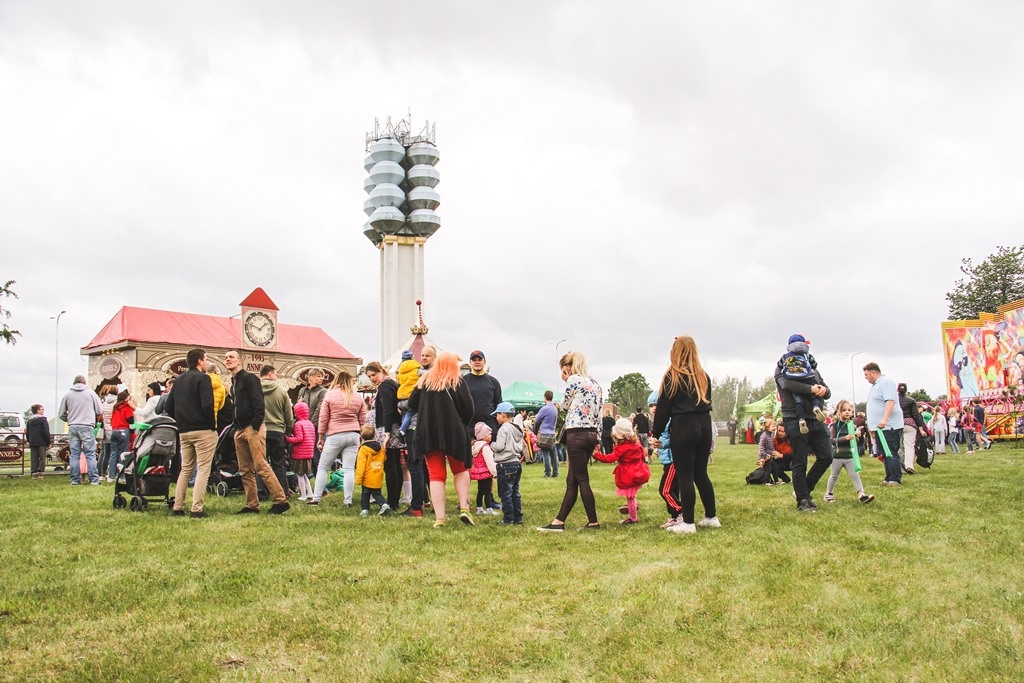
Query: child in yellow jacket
[370, 472]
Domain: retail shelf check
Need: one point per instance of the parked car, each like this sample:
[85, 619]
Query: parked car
[12, 427]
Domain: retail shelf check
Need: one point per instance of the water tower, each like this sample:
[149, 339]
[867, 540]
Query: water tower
[402, 175]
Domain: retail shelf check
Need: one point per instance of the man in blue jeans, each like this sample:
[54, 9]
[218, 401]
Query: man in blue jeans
[81, 410]
[886, 417]
[545, 425]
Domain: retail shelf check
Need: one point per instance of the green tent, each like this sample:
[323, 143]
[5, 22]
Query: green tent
[754, 410]
[528, 395]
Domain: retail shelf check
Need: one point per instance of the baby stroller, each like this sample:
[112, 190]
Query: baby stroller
[151, 468]
[224, 476]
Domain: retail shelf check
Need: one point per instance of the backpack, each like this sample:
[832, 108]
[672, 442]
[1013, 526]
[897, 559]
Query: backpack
[924, 451]
[757, 476]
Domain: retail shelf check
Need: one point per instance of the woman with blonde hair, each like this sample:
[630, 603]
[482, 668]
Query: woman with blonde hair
[582, 403]
[342, 414]
[443, 406]
[685, 397]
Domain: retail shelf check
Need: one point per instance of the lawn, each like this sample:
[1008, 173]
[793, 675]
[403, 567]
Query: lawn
[923, 584]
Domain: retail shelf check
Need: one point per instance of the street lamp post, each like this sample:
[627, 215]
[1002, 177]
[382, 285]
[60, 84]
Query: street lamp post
[56, 363]
[560, 341]
[853, 387]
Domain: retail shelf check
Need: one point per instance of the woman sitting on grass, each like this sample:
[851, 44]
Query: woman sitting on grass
[444, 405]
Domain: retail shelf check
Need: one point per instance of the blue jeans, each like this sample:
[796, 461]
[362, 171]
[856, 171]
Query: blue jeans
[560, 452]
[893, 468]
[118, 444]
[509, 474]
[82, 441]
[550, 461]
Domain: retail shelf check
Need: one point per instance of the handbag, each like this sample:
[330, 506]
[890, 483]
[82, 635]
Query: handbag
[546, 442]
[560, 434]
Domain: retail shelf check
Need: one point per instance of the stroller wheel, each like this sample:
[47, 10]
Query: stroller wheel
[222, 489]
[136, 504]
[120, 502]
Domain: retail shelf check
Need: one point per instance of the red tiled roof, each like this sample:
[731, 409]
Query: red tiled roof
[189, 329]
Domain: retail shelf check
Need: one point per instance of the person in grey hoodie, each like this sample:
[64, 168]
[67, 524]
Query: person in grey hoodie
[81, 410]
[508, 450]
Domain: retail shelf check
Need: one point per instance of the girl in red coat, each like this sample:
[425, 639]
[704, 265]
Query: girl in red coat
[632, 470]
[302, 449]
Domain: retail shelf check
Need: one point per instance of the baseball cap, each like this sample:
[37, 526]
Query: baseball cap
[477, 354]
[505, 407]
[798, 338]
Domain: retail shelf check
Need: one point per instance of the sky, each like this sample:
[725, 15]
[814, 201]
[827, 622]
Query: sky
[612, 175]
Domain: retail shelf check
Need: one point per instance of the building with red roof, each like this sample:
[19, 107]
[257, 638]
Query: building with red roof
[143, 345]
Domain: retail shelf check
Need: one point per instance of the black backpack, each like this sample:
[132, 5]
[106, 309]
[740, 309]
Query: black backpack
[757, 476]
[924, 450]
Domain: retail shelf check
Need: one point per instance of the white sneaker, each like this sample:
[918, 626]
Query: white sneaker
[682, 527]
[364, 513]
[303, 498]
[710, 522]
[385, 510]
[480, 511]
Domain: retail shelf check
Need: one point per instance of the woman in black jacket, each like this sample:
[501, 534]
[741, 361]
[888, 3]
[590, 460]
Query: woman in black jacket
[388, 419]
[913, 424]
[685, 397]
[443, 406]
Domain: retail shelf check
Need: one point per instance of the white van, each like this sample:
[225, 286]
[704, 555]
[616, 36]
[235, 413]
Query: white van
[12, 427]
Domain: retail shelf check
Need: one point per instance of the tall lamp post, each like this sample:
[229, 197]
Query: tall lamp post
[56, 364]
[560, 341]
[853, 387]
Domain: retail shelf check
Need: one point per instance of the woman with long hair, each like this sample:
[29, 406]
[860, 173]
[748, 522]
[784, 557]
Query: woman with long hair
[387, 417]
[685, 397]
[582, 402]
[443, 406]
[342, 413]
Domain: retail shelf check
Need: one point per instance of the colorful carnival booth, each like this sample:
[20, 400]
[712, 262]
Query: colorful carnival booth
[984, 360]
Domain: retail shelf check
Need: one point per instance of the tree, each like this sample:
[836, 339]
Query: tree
[920, 396]
[629, 391]
[9, 336]
[997, 280]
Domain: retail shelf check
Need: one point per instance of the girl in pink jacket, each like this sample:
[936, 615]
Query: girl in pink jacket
[302, 449]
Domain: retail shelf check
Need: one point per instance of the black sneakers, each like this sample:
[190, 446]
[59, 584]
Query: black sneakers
[279, 508]
[248, 511]
[806, 505]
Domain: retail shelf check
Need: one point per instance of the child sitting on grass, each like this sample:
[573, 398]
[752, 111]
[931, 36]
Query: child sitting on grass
[632, 471]
[370, 472]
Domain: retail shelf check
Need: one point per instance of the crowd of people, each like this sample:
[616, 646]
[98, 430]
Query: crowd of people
[400, 444]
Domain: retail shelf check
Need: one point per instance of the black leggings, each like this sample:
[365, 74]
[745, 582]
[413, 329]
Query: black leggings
[690, 439]
[393, 476]
[485, 492]
[579, 445]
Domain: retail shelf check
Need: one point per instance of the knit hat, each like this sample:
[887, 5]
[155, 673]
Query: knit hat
[407, 355]
[623, 428]
[481, 431]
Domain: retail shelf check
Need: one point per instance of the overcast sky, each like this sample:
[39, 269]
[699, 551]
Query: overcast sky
[612, 174]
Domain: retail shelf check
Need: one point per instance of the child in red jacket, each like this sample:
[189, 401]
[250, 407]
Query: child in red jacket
[302, 449]
[632, 470]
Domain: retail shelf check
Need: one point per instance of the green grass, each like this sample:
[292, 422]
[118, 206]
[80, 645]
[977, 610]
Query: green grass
[923, 584]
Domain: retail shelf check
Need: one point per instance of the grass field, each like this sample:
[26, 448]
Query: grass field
[924, 584]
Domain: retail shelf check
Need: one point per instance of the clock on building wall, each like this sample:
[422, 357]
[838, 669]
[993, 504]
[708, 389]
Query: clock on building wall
[259, 329]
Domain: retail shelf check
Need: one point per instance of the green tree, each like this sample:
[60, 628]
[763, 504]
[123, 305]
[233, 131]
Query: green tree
[920, 395]
[997, 280]
[9, 336]
[629, 391]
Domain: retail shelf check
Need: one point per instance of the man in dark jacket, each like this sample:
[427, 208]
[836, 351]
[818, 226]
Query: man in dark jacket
[486, 392]
[251, 437]
[816, 440]
[37, 431]
[191, 406]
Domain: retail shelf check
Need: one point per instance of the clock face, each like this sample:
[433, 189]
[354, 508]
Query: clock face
[259, 329]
